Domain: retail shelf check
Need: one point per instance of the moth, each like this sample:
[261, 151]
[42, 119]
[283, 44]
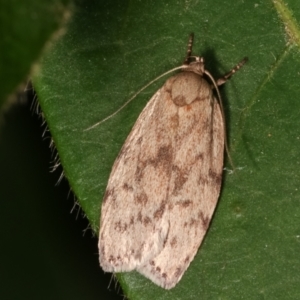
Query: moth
[166, 180]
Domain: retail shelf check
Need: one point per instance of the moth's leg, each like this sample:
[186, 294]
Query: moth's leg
[227, 76]
[189, 49]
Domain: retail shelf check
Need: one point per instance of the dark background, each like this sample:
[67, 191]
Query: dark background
[47, 248]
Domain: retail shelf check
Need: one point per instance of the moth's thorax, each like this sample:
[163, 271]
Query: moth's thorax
[187, 87]
[196, 66]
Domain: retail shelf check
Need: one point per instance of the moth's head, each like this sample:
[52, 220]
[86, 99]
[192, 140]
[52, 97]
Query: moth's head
[195, 64]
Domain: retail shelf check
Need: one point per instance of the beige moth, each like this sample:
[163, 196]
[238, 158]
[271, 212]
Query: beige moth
[165, 183]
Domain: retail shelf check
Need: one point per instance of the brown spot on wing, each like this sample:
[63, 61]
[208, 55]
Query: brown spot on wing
[217, 178]
[127, 187]
[186, 203]
[139, 173]
[163, 159]
[159, 212]
[178, 272]
[109, 193]
[139, 140]
[180, 179]
[141, 199]
[174, 121]
[181, 176]
[187, 259]
[193, 222]
[147, 221]
[180, 100]
[199, 156]
[164, 156]
[173, 242]
[131, 220]
[111, 259]
[202, 180]
[204, 220]
[120, 227]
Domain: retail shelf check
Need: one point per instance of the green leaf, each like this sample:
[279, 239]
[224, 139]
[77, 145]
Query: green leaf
[25, 27]
[112, 49]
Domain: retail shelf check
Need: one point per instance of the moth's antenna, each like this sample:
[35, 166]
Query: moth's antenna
[217, 83]
[138, 92]
[189, 49]
[223, 116]
[227, 76]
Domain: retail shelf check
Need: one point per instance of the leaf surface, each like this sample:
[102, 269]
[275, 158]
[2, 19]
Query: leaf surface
[112, 49]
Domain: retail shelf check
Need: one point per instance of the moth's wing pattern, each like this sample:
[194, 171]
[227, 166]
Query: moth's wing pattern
[132, 227]
[193, 190]
[165, 183]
